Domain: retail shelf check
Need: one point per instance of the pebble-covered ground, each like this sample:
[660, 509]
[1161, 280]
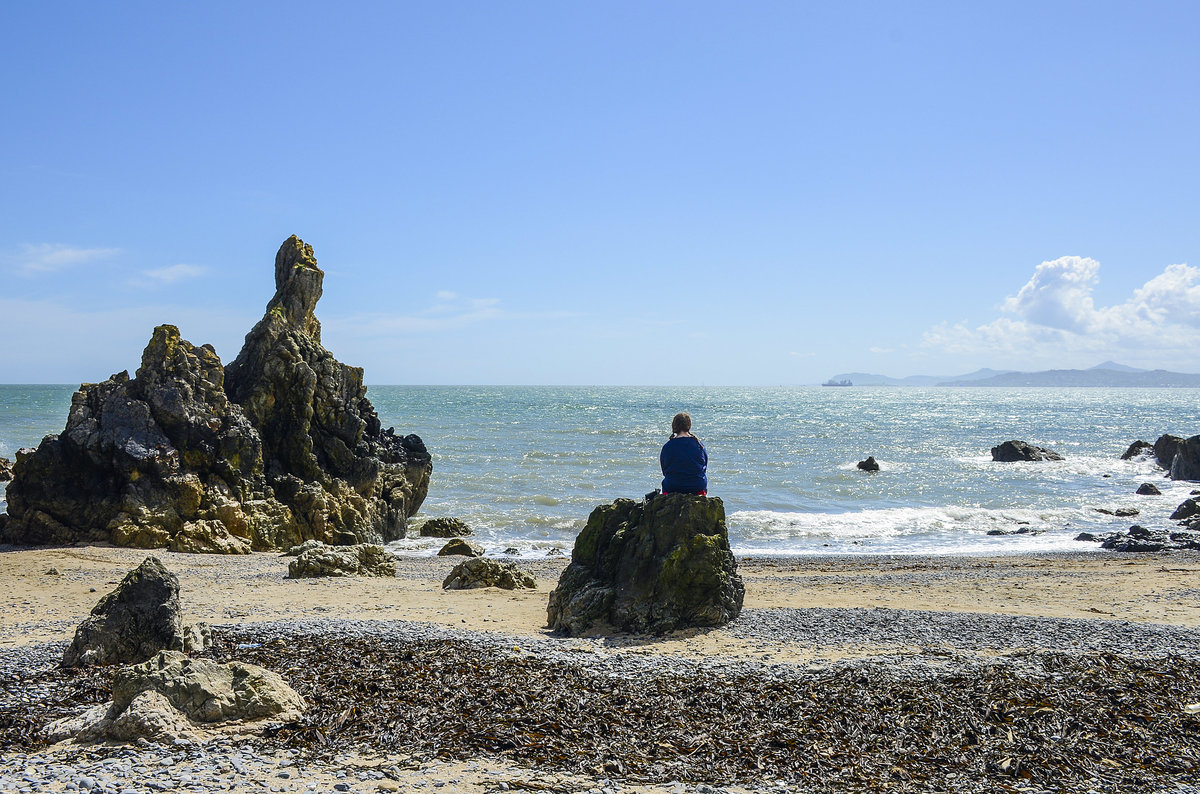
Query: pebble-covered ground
[947, 702]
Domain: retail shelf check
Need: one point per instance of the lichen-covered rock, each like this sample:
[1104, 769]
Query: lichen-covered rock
[142, 458]
[649, 567]
[479, 572]
[171, 697]
[326, 454]
[457, 547]
[1186, 463]
[1013, 451]
[280, 447]
[139, 618]
[445, 528]
[364, 559]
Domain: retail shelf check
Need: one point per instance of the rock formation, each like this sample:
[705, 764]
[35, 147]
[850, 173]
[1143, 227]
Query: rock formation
[870, 464]
[479, 572]
[364, 559]
[1139, 538]
[1186, 463]
[457, 547]
[445, 528]
[1148, 489]
[649, 567]
[6, 471]
[280, 447]
[170, 696]
[141, 617]
[1011, 451]
[1138, 449]
[1165, 448]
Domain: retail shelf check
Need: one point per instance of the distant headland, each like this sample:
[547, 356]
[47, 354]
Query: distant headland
[1109, 374]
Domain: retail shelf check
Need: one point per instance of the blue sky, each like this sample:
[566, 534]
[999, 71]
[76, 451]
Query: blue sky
[607, 193]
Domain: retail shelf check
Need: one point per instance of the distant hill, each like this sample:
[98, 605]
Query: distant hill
[1108, 374]
[1158, 378]
[868, 379]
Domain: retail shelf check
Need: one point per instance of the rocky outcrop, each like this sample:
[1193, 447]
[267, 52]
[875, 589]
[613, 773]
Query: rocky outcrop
[1138, 449]
[365, 559]
[870, 464]
[326, 455]
[649, 567]
[6, 469]
[1012, 451]
[457, 547]
[1189, 509]
[1186, 463]
[170, 697]
[280, 447]
[141, 617]
[1140, 539]
[478, 572]
[1165, 448]
[445, 528]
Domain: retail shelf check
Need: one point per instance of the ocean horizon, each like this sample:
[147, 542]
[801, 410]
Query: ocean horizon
[524, 466]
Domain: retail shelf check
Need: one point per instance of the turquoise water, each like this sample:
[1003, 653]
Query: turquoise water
[525, 465]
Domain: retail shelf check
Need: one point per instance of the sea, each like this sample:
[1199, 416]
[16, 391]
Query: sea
[525, 466]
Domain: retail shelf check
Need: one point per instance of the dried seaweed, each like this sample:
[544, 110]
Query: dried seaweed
[1055, 721]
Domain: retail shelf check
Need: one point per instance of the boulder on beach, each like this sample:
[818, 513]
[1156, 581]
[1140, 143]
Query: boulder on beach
[649, 567]
[363, 559]
[870, 464]
[279, 447]
[457, 547]
[445, 528]
[139, 618]
[1013, 451]
[1138, 449]
[170, 697]
[479, 572]
[1186, 463]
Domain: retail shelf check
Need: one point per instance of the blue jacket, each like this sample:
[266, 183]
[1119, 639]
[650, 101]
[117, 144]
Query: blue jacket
[684, 464]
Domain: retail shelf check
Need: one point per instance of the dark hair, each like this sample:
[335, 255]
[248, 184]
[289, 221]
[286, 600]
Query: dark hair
[681, 423]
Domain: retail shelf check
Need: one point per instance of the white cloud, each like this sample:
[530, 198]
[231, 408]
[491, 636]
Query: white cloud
[51, 257]
[169, 274]
[1054, 316]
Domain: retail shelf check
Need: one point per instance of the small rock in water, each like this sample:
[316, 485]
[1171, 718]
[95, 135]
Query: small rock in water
[1148, 489]
[870, 464]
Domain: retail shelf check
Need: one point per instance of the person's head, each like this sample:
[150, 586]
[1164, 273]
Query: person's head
[681, 423]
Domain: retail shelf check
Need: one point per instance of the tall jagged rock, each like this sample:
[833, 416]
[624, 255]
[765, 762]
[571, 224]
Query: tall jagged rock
[345, 478]
[280, 447]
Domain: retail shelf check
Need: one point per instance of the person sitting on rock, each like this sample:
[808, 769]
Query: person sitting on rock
[684, 460]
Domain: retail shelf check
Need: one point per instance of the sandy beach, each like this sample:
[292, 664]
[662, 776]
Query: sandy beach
[803, 616]
[53, 589]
